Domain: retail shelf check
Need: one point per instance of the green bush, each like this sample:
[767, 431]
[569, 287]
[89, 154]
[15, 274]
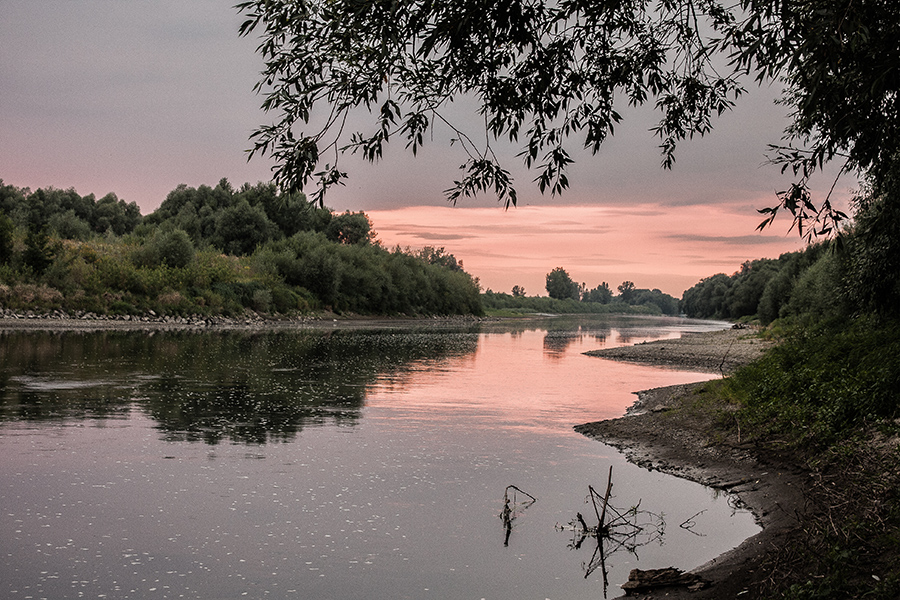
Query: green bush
[171, 247]
[69, 226]
[822, 382]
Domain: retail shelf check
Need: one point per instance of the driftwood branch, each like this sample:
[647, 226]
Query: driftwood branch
[640, 582]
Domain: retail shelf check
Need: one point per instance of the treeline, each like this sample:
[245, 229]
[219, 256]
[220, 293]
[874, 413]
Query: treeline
[567, 296]
[856, 274]
[213, 251]
[766, 288]
[503, 302]
[817, 283]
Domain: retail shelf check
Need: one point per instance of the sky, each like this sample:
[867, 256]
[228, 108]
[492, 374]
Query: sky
[138, 97]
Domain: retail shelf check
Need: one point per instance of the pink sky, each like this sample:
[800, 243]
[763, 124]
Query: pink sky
[651, 245]
[136, 98]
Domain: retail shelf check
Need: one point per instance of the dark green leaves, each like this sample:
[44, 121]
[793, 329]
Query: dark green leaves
[543, 73]
[540, 73]
[482, 175]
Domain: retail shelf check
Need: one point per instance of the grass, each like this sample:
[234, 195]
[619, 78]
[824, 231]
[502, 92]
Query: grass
[827, 399]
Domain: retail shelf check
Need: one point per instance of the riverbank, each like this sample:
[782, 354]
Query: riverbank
[82, 321]
[689, 431]
[718, 351]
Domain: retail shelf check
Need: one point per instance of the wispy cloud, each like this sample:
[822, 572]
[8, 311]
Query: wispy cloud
[740, 240]
[652, 245]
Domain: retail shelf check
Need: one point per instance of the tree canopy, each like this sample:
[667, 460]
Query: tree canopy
[547, 75]
[560, 285]
[214, 251]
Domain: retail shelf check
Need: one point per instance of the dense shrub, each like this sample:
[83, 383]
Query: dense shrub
[171, 247]
[822, 381]
[217, 251]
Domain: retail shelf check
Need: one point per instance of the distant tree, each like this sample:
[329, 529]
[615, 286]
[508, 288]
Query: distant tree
[518, 291]
[747, 287]
[600, 294]
[68, 225]
[626, 291]
[115, 215]
[561, 286]
[707, 297]
[292, 213]
[241, 228]
[667, 304]
[349, 228]
[11, 197]
[439, 256]
[39, 252]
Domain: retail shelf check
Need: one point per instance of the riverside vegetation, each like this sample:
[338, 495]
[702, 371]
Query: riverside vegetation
[825, 398]
[550, 74]
[221, 251]
[213, 251]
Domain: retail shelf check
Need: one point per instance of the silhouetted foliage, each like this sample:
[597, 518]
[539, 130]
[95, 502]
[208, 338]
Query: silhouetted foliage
[39, 252]
[668, 305]
[543, 73]
[7, 229]
[67, 214]
[349, 228]
[438, 256]
[873, 248]
[600, 294]
[857, 276]
[626, 291]
[241, 228]
[560, 285]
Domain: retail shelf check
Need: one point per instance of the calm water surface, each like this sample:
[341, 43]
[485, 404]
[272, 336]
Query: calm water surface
[339, 464]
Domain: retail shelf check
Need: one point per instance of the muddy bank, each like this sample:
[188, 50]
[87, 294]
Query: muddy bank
[717, 351]
[681, 430]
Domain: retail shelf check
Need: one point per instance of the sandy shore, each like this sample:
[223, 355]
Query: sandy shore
[668, 430]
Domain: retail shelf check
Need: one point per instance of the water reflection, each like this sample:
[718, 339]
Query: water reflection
[241, 386]
[352, 464]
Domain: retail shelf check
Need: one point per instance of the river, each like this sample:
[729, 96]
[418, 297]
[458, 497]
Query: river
[334, 463]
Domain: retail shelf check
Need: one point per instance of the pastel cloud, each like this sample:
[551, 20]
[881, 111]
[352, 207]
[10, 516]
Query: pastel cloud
[644, 244]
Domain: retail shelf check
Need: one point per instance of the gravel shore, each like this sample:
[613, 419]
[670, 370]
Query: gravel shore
[87, 321]
[668, 430]
[721, 351]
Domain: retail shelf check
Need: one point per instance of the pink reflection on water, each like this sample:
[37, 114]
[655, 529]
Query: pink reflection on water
[534, 380]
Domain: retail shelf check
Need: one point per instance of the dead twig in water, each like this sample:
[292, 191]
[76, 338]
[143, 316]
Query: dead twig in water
[689, 523]
[619, 529]
[508, 514]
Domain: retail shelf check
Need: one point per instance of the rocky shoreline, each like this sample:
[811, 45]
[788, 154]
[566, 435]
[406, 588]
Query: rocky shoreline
[668, 429]
[80, 320]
